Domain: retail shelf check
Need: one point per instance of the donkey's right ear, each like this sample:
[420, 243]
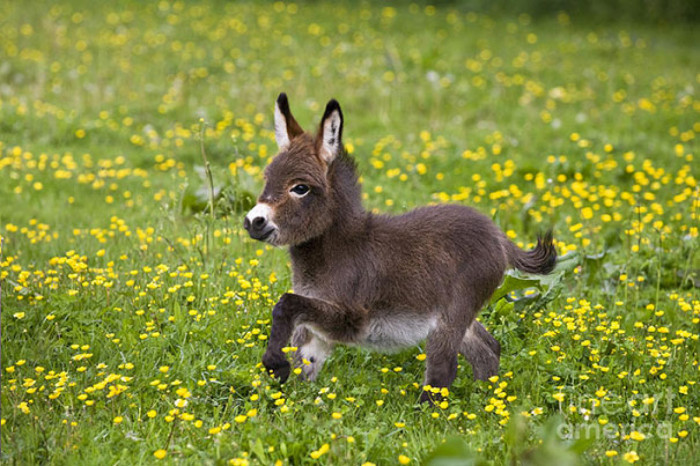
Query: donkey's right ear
[286, 127]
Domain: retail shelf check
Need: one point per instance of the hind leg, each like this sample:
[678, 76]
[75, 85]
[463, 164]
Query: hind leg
[441, 369]
[481, 350]
[312, 351]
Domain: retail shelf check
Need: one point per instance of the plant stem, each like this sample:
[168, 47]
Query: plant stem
[207, 169]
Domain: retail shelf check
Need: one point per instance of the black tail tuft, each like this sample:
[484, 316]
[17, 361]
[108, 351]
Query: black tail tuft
[540, 260]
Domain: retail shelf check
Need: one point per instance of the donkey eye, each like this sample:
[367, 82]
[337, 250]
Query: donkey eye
[300, 189]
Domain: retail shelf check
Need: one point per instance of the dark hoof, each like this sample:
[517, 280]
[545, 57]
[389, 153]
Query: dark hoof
[277, 366]
[430, 398]
[486, 371]
[484, 376]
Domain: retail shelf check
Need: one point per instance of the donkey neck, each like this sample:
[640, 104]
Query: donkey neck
[346, 196]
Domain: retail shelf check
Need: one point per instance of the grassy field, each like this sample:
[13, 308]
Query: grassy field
[134, 318]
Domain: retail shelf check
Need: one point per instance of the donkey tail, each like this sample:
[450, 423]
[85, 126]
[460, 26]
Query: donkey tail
[540, 260]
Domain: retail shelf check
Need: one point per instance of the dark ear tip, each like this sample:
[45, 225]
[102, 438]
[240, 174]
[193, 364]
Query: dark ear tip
[283, 103]
[331, 107]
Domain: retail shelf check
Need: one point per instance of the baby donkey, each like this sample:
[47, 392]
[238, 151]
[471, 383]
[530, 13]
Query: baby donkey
[377, 281]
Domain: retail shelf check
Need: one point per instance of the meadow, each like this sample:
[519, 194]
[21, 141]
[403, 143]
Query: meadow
[135, 309]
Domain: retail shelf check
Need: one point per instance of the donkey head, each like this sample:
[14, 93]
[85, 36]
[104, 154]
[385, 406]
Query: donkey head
[297, 203]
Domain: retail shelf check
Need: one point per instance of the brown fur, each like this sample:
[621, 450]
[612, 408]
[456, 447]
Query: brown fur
[379, 281]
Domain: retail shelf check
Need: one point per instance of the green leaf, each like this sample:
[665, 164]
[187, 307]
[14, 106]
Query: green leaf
[514, 283]
[549, 285]
[454, 452]
[257, 448]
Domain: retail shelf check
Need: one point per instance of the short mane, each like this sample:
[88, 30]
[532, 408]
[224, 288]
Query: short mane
[346, 188]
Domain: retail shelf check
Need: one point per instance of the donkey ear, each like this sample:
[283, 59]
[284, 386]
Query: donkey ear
[331, 132]
[286, 127]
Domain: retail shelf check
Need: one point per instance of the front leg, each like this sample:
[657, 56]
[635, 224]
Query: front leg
[336, 322]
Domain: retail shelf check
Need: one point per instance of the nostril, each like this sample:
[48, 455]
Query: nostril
[258, 222]
[246, 223]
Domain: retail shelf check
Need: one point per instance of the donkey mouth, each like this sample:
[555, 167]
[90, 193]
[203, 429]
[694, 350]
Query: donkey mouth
[263, 236]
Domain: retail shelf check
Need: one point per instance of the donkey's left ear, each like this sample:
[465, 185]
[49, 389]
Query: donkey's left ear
[330, 135]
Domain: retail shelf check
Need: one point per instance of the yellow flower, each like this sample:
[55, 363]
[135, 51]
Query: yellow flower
[631, 456]
[316, 454]
[160, 454]
[638, 436]
[118, 420]
[183, 392]
[403, 459]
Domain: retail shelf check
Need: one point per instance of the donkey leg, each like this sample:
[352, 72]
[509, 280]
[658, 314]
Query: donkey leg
[312, 351]
[336, 323]
[441, 370]
[481, 350]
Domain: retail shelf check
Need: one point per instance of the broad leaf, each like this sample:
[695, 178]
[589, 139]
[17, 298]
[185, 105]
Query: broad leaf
[548, 285]
[454, 452]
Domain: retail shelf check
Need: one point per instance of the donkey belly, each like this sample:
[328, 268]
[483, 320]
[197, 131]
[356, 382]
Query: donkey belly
[393, 333]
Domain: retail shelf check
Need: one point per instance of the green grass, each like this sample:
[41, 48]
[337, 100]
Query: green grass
[112, 269]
